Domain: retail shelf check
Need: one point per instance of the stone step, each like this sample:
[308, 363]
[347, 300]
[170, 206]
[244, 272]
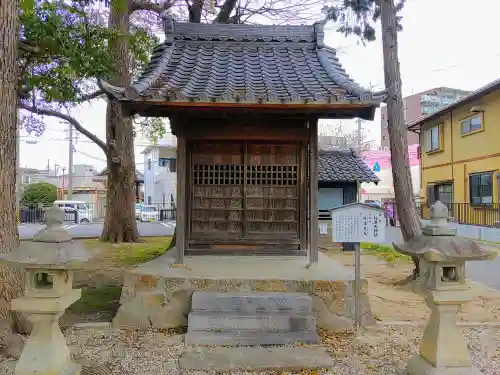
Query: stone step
[252, 338]
[264, 322]
[282, 359]
[296, 303]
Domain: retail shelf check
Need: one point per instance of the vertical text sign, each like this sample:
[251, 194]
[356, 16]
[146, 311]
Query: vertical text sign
[357, 222]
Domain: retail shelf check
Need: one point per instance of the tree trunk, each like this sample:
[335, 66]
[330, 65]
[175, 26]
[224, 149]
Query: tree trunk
[11, 285]
[403, 187]
[120, 224]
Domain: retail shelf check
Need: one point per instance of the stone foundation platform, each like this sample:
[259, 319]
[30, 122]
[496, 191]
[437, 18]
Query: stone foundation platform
[157, 294]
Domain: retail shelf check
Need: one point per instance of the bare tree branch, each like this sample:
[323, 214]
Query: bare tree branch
[149, 5]
[69, 119]
[91, 96]
[28, 47]
[225, 11]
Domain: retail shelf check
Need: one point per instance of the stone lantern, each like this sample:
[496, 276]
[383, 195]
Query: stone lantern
[442, 282]
[49, 259]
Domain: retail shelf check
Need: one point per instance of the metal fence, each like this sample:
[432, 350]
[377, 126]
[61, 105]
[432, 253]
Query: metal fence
[95, 212]
[466, 213]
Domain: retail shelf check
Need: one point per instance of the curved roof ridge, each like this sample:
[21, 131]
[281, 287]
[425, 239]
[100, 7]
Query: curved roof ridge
[239, 32]
[157, 64]
[339, 75]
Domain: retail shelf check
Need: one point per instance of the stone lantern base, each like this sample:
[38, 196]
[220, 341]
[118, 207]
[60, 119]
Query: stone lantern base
[46, 352]
[418, 365]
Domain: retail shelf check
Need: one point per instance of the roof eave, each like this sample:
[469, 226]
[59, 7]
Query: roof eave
[113, 91]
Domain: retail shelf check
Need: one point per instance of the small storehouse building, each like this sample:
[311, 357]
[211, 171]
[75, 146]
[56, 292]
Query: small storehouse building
[340, 172]
[244, 102]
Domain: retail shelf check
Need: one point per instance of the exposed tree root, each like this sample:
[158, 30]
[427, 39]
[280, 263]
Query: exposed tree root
[173, 241]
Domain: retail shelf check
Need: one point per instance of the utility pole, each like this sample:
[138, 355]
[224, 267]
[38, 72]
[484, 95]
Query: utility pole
[70, 164]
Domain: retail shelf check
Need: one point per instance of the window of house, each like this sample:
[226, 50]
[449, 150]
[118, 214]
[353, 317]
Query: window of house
[442, 192]
[431, 139]
[472, 124]
[172, 165]
[149, 164]
[481, 188]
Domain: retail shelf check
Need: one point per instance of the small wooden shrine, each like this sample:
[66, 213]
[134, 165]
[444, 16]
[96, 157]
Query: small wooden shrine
[244, 102]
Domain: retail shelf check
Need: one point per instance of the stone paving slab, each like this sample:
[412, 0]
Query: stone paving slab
[291, 359]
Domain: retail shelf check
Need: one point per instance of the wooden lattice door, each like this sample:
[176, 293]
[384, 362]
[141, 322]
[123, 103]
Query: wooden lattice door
[272, 192]
[244, 193]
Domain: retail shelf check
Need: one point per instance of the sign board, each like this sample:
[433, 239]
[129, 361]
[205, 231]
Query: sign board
[99, 178]
[376, 167]
[358, 222]
[323, 229]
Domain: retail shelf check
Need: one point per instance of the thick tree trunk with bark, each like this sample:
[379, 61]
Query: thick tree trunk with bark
[11, 280]
[120, 224]
[403, 188]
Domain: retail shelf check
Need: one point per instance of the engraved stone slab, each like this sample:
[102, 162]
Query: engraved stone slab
[263, 322]
[251, 303]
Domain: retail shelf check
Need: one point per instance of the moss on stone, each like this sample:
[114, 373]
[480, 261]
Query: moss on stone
[97, 299]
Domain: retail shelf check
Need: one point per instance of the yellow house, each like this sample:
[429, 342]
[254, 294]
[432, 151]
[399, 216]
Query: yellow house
[460, 156]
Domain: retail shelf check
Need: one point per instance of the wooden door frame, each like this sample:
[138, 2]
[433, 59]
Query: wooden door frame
[301, 146]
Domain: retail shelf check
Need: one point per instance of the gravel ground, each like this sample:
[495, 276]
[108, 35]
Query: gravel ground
[381, 350]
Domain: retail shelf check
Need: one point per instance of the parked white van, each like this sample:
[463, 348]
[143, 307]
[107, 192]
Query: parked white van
[84, 212]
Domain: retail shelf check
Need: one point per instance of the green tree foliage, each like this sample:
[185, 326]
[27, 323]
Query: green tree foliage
[358, 17]
[63, 48]
[39, 192]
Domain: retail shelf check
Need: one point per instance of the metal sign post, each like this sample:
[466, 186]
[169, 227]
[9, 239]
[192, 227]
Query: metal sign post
[357, 291]
[356, 223]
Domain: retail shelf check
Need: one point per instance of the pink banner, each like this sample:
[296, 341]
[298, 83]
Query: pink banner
[384, 157]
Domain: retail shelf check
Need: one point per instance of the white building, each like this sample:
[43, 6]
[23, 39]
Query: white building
[160, 174]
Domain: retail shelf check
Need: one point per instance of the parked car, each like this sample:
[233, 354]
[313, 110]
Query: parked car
[149, 213]
[80, 208]
[373, 203]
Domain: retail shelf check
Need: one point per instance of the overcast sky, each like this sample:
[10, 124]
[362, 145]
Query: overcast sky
[444, 43]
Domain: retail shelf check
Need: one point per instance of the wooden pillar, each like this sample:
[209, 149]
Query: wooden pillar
[304, 187]
[313, 192]
[181, 213]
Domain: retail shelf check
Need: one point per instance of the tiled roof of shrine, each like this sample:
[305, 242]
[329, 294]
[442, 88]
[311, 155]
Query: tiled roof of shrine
[254, 64]
[339, 166]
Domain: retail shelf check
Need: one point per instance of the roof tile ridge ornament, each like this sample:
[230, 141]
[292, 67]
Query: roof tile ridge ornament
[319, 31]
[110, 90]
[168, 27]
